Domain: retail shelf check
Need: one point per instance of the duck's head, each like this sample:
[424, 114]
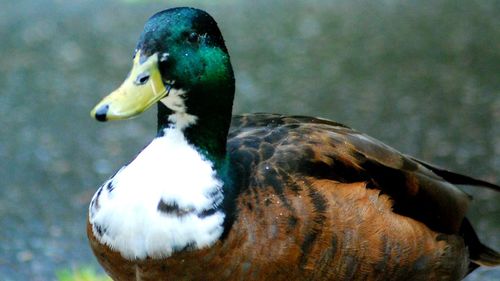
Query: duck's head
[181, 63]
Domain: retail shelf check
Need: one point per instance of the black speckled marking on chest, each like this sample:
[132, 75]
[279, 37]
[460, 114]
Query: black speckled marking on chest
[100, 230]
[206, 213]
[172, 208]
[94, 204]
[110, 186]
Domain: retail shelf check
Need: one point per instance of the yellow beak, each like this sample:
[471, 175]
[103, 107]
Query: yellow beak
[142, 88]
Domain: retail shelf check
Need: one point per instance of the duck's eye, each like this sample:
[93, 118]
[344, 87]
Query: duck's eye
[142, 78]
[193, 37]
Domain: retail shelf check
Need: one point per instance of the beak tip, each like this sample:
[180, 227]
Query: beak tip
[100, 113]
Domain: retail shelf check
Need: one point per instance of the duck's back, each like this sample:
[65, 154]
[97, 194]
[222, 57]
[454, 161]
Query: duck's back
[270, 148]
[325, 202]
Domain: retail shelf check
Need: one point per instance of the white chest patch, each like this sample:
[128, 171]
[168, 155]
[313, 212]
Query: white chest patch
[162, 202]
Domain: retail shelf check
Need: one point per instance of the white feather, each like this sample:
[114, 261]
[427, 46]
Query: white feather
[175, 101]
[168, 169]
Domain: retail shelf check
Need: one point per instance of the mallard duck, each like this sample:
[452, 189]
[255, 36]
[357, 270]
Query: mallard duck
[264, 196]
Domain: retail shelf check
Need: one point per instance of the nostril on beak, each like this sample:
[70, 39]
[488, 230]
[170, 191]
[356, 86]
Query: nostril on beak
[101, 112]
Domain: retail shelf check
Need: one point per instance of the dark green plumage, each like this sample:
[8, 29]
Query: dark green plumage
[197, 55]
[199, 63]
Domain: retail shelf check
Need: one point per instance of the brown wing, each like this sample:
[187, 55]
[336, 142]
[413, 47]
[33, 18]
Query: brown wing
[277, 146]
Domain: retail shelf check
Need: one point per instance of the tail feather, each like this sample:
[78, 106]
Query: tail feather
[486, 256]
[456, 178]
[479, 254]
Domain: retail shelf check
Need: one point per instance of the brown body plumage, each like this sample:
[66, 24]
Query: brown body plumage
[320, 201]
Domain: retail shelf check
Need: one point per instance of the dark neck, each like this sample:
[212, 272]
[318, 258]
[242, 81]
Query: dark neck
[209, 134]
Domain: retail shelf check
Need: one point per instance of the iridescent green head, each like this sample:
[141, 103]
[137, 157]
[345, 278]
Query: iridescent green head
[180, 60]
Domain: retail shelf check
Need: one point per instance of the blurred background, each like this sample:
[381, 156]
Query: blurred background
[422, 76]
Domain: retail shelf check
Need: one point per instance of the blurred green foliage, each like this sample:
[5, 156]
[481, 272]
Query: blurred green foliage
[81, 274]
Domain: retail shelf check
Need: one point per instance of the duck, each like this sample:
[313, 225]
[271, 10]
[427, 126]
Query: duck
[264, 196]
